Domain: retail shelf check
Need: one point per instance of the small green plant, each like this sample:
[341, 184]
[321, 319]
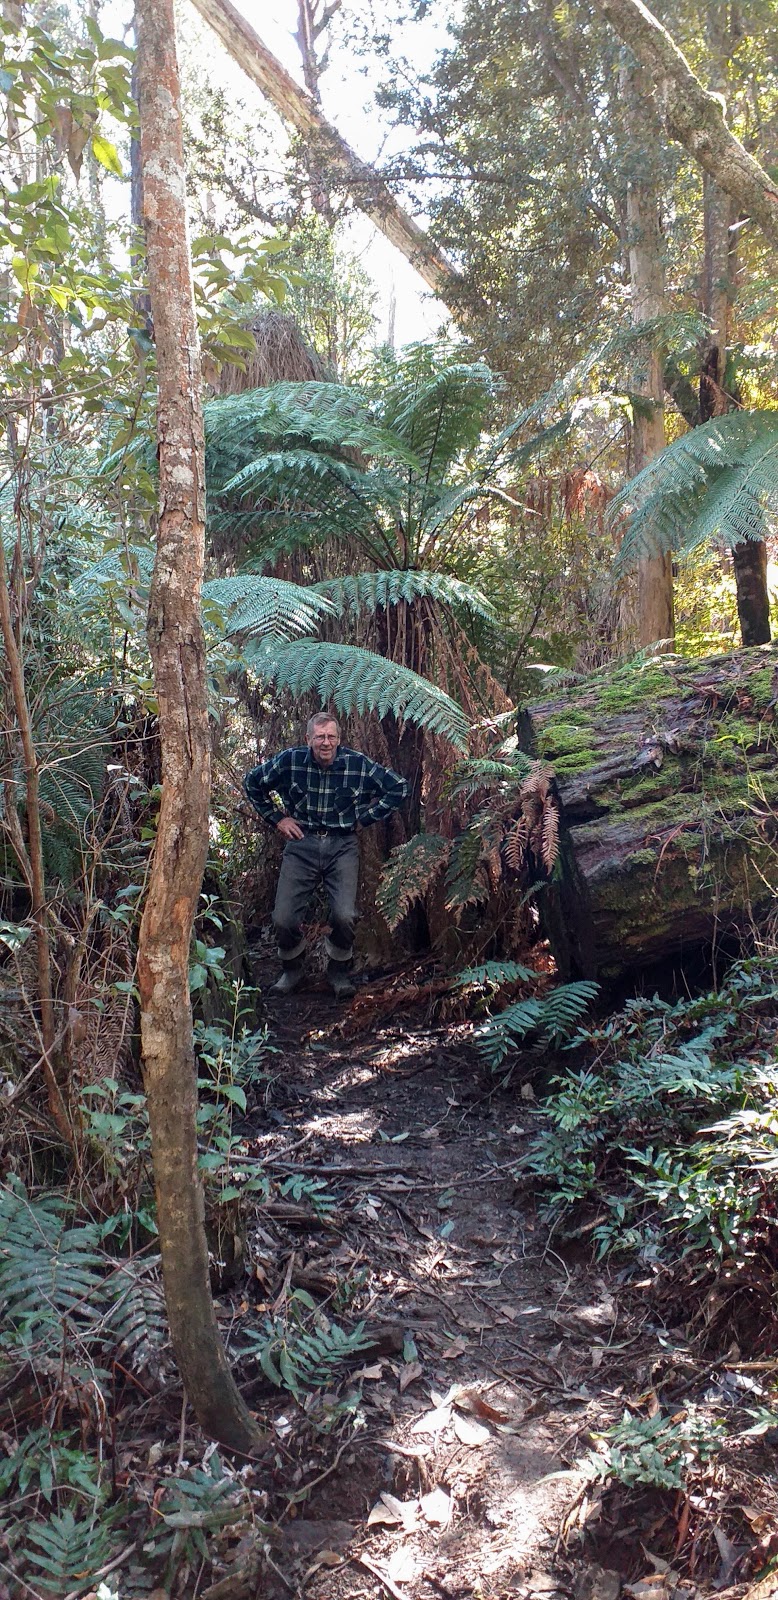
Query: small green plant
[298, 1357]
[549, 1018]
[658, 1451]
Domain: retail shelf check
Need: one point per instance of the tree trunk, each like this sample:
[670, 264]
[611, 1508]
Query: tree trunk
[692, 115]
[749, 559]
[364, 184]
[655, 617]
[178, 655]
[667, 777]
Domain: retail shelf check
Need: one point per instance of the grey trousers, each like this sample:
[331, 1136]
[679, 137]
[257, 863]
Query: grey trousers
[333, 860]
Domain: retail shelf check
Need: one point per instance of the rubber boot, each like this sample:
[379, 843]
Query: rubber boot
[340, 979]
[290, 979]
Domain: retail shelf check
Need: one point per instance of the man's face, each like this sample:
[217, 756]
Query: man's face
[323, 741]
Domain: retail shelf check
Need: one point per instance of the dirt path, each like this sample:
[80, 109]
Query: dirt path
[496, 1356]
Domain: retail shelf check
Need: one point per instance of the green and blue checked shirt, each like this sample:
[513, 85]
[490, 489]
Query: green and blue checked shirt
[354, 790]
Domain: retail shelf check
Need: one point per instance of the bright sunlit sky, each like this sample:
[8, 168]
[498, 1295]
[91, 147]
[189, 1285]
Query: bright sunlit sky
[347, 101]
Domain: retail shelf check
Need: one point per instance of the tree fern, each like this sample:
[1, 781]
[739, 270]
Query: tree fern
[550, 1018]
[717, 481]
[357, 680]
[410, 871]
[247, 604]
[370, 591]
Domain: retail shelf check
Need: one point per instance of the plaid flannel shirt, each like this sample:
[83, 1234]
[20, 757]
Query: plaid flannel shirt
[352, 790]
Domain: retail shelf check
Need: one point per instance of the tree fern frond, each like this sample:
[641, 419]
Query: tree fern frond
[436, 403]
[300, 474]
[463, 887]
[249, 604]
[119, 566]
[369, 591]
[358, 680]
[481, 773]
[327, 415]
[717, 481]
[410, 871]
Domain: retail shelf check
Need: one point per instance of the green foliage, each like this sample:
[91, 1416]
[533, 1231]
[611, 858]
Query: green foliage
[352, 679]
[659, 1451]
[250, 605]
[296, 1358]
[634, 1133]
[492, 976]
[68, 1550]
[51, 1273]
[409, 873]
[371, 591]
[719, 481]
[549, 1018]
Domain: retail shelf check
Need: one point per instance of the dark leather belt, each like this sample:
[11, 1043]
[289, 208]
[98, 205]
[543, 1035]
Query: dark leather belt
[326, 833]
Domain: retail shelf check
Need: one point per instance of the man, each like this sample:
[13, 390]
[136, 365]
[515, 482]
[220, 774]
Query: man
[316, 795]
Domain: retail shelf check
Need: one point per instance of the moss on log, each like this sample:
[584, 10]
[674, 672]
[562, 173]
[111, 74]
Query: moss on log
[667, 776]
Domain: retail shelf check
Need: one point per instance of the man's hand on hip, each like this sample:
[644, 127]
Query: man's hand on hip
[289, 829]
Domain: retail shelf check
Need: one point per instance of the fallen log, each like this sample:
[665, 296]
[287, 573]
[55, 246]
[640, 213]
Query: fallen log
[666, 772]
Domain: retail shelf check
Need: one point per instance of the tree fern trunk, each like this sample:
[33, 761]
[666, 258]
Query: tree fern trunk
[178, 654]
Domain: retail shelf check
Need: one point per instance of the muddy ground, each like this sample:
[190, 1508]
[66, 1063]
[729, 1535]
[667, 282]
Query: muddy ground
[500, 1351]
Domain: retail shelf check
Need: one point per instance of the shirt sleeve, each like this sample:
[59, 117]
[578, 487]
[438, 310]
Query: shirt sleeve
[259, 782]
[382, 792]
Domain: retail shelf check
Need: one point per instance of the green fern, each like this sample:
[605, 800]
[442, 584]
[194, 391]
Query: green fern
[371, 591]
[69, 1550]
[408, 874]
[550, 1019]
[469, 777]
[463, 887]
[718, 481]
[136, 1323]
[249, 605]
[493, 975]
[50, 1273]
[351, 679]
[296, 1360]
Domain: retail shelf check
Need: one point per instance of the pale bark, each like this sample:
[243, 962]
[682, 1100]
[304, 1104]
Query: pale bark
[365, 185]
[655, 618]
[692, 115]
[177, 649]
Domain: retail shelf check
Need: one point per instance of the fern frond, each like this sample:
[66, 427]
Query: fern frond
[463, 887]
[328, 416]
[137, 1322]
[369, 591]
[471, 776]
[551, 1019]
[436, 403]
[408, 874]
[50, 1272]
[718, 481]
[70, 1550]
[252, 605]
[493, 975]
[358, 680]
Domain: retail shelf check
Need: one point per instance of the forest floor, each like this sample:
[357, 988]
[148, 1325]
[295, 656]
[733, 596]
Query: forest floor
[500, 1352]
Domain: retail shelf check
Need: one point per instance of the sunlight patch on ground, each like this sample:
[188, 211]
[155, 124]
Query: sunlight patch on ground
[350, 1127]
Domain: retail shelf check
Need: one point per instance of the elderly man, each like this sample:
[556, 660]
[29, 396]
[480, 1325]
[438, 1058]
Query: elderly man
[316, 796]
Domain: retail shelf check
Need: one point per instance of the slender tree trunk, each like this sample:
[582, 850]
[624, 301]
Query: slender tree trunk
[33, 867]
[655, 617]
[178, 654]
[749, 559]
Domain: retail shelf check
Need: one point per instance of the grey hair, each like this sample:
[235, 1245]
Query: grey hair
[316, 721]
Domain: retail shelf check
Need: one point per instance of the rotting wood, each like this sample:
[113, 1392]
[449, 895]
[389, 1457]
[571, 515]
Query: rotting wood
[667, 777]
[365, 185]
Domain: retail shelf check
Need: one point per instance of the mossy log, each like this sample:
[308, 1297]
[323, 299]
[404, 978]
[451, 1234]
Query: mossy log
[667, 778]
